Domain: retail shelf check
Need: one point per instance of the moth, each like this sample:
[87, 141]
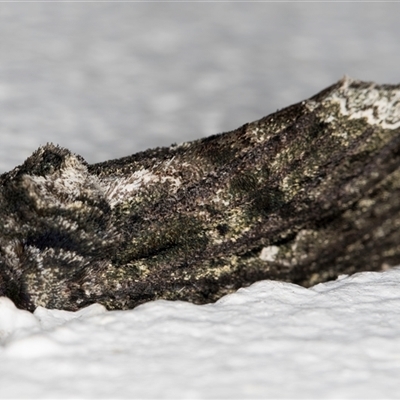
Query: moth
[302, 195]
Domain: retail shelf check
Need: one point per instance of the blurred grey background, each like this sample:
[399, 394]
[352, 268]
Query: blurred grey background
[110, 79]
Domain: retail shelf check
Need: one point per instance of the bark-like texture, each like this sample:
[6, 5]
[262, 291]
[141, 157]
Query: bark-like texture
[301, 195]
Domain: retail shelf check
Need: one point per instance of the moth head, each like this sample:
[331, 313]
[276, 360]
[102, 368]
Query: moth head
[51, 177]
[55, 222]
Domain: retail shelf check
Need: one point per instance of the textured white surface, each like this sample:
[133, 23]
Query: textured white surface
[335, 340]
[107, 80]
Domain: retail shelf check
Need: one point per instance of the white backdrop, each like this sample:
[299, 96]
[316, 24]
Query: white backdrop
[109, 79]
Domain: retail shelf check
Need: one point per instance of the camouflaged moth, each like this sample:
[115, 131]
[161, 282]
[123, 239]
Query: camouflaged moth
[302, 195]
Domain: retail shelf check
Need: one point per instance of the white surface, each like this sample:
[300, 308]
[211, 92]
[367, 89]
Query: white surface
[335, 340]
[107, 80]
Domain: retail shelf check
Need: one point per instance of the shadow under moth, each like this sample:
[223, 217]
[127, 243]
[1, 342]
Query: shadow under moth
[302, 195]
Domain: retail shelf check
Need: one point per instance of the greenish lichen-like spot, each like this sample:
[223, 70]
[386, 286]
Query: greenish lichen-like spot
[302, 195]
